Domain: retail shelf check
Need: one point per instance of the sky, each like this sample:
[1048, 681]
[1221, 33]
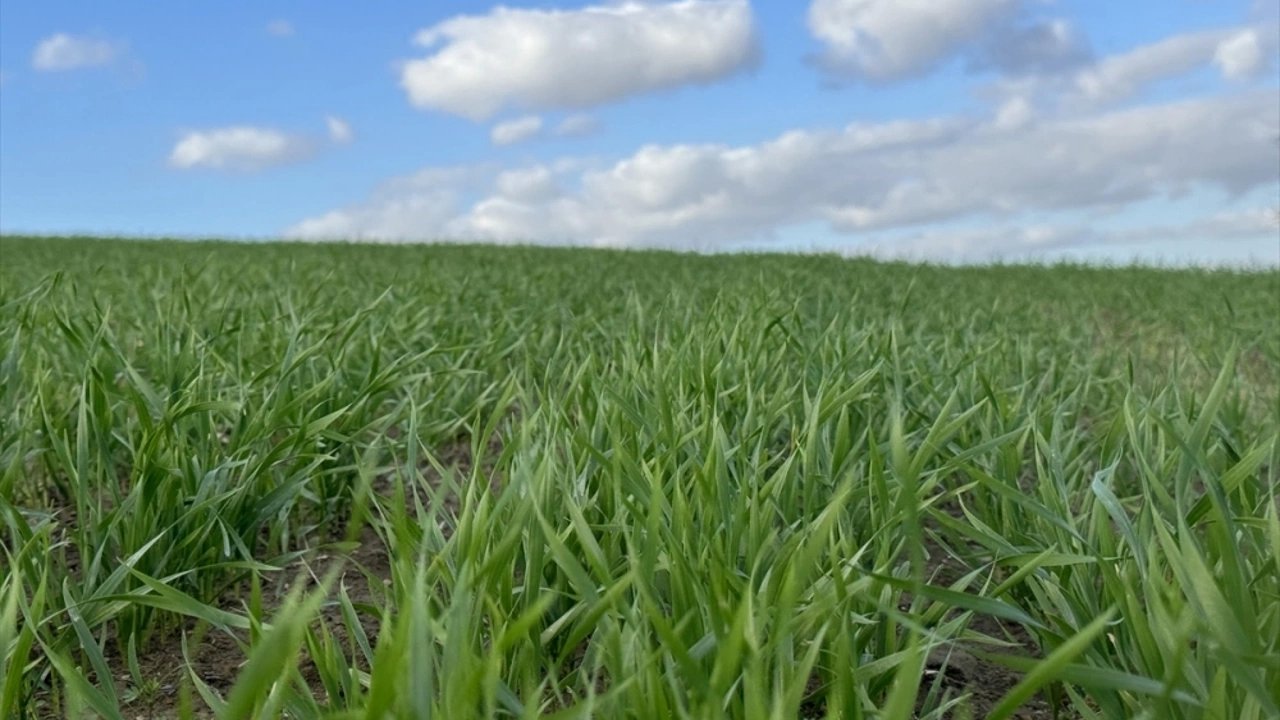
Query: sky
[942, 130]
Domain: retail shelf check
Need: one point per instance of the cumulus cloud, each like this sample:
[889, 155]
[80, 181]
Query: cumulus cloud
[1045, 47]
[241, 148]
[1236, 52]
[479, 65]
[888, 40]
[416, 207]
[577, 125]
[339, 130]
[883, 41]
[70, 52]
[1015, 113]
[1240, 55]
[280, 28]
[1106, 160]
[1124, 75]
[528, 185]
[517, 130]
[1264, 9]
[864, 178]
[247, 148]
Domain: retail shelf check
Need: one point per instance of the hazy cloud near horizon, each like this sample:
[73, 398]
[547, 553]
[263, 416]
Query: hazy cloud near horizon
[858, 180]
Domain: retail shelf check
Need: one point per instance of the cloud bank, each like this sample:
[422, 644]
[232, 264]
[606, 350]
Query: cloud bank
[858, 180]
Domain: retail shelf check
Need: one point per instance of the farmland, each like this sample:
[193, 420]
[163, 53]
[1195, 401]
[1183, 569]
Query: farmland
[340, 481]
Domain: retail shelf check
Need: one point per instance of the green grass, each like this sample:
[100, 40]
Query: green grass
[463, 482]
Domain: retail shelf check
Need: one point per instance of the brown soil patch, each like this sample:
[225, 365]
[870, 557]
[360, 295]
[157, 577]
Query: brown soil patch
[960, 672]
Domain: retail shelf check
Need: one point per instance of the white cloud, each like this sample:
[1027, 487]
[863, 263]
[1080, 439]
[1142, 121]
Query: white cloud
[532, 185]
[239, 148]
[70, 52]
[861, 179]
[280, 28]
[577, 126]
[892, 40]
[547, 59]
[1015, 113]
[1121, 76]
[887, 40]
[339, 130]
[1046, 47]
[1105, 160]
[517, 130]
[417, 207]
[1265, 13]
[1240, 55]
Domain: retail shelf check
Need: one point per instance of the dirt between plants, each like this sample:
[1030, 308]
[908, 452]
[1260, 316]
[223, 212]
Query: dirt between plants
[986, 683]
[217, 657]
[953, 671]
[961, 672]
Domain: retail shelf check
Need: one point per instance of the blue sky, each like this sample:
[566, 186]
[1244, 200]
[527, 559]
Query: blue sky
[956, 130]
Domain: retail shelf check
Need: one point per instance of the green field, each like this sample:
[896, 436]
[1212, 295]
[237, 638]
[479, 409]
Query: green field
[328, 481]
